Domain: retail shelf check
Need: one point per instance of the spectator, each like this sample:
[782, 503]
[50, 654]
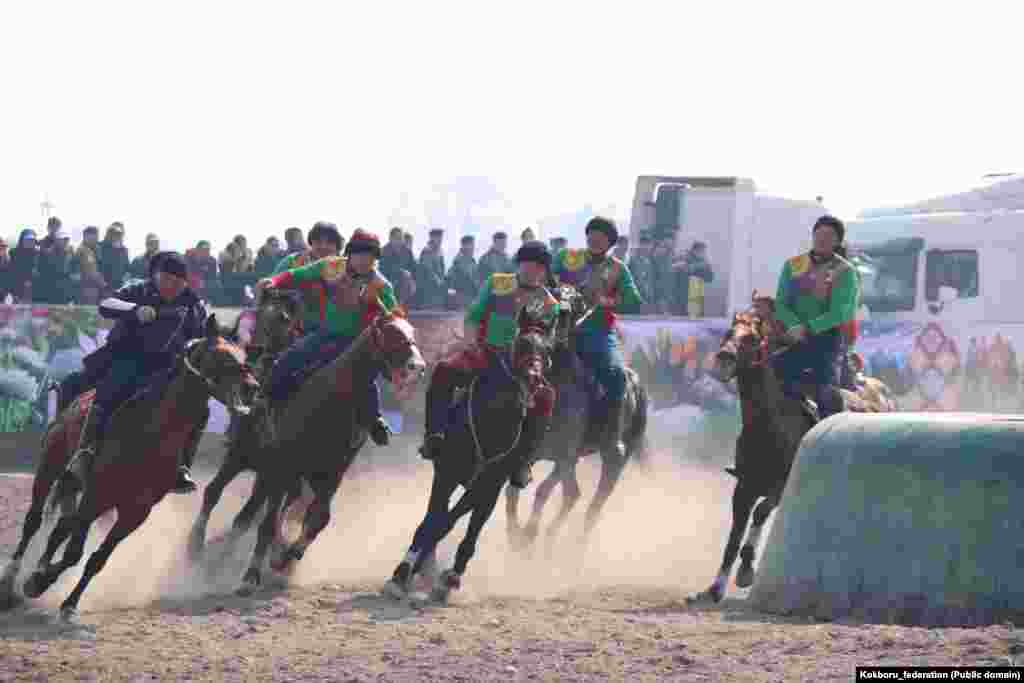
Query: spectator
[202, 272]
[268, 256]
[408, 245]
[324, 240]
[85, 271]
[527, 235]
[462, 275]
[662, 277]
[642, 268]
[496, 259]
[431, 276]
[293, 242]
[113, 256]
[53, 285]
[398, 265]
[5, 271]
[692, 272]
[558, 244]
[139, 268]
[24, 266]
[622, 248]
[53, 224]
[236, 257]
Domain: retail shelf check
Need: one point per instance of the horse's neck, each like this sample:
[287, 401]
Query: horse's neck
[185, 398]
[761, 396]
[354, 364]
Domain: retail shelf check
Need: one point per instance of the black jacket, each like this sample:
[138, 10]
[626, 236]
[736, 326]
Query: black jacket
[162, 340]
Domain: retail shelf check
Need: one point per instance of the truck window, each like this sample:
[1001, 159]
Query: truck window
[888, 278]
[953, 268]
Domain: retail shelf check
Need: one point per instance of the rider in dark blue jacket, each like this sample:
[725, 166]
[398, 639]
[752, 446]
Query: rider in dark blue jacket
[155, 320]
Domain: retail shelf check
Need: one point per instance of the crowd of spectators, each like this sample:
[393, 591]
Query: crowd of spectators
[51, 270]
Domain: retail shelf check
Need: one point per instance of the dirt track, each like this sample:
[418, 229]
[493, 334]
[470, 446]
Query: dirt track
[619, 615]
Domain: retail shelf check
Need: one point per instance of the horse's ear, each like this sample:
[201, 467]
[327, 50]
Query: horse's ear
[212, 328]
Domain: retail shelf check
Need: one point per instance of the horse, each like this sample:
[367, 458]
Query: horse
[315, 436]
[561, 445]
[156, 422]
[481, 449]
[773, 425]
[278, 315]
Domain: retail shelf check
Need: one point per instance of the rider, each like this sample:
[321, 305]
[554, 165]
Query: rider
[324, 240]
[494, 322]
[605, 281]
[155, 320]
[817, 297]
[354, 294]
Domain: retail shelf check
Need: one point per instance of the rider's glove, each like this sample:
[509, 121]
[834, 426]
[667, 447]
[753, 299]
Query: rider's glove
[145, 314]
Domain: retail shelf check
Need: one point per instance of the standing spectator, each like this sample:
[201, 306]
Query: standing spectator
[642, 268]
[202, 272]
[53, 224]
[53, 285]
[527, 235]
[431, 280]
[24, 266]
[663, 278]
[622, 248]
[293, 243]
[462, 275]
[268, 256]
[113, 255]
[5, 271]
[397, 264]
[139, 268]
[558, 244]
[236, 271]
[496, 259]
[692, 272]
[408, 245]
[85, 269]
[324, 240]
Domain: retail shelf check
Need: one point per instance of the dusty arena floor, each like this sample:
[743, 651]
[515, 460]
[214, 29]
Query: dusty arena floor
[617, 613]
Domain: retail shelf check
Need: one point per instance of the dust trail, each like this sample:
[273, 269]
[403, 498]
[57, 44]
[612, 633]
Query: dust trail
[663, 528]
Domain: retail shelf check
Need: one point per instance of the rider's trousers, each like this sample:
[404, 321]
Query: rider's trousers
[816, 353]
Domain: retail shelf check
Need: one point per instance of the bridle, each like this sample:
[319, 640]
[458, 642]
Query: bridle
[212, 386]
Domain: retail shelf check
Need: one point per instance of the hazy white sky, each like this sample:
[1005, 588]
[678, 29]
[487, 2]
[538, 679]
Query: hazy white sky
[212, 118]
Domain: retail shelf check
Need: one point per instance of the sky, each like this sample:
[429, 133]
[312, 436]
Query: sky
[208, 119]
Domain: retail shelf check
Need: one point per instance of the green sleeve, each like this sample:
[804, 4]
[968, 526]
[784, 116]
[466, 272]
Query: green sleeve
[556, 265]
[629, 295]
[476, 310]
[309, 272]
[782, 310]
[842, 305]
[386, 294]
[283, 265]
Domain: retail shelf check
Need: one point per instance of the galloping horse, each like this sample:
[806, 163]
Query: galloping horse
[481, 450]
[561, 445]
[773, 425]
[316, 435]
[277, 317]
[138, 461]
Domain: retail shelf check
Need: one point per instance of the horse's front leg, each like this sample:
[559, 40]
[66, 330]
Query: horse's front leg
[231, 468]
[77, 527]
[745, 574]
[743, 499]
[317, 517]
[566, 472]
[481, 503]
[267, 533]
[33, 520]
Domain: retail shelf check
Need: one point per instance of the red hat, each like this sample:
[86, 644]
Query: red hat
[363, 241]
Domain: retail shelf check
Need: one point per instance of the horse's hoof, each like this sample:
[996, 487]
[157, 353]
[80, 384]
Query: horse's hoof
[711, 596]
[196, 548]
[250, 583]
[8, 596]
[745, 576]
[69, 614]
[395, 590]
[34, 585]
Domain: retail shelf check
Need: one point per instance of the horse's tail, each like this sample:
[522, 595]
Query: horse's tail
[635, 437]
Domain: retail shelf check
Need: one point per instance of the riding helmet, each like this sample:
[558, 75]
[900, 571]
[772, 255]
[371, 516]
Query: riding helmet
[832, 222]
[170, 262]
[363, 241]
[535, 251]
[605, 225]
[325, 230]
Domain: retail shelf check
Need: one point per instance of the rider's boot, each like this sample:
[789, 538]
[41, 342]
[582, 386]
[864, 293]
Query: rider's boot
[826, 398]
[534, 430]
[378, 427]
[611, 440]
[81, 462]
[439, 399]
[597, 411]
[185, 483]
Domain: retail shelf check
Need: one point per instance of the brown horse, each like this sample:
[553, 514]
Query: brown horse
[316, 436]
[275, 328]
[773, 426]
[138, 462]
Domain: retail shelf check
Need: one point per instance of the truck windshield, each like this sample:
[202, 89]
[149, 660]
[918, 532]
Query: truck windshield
[888, 274]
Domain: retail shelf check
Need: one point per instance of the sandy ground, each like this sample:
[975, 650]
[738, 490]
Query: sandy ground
[615, 612]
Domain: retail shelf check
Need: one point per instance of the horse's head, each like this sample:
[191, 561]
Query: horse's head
[221, 366]
[741, 346]
[278, 314]
[572, 307]
[530, 357]
[394, 344]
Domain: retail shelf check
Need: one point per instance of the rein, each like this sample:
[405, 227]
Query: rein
[482, 463]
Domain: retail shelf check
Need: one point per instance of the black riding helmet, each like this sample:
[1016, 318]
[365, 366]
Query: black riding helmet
[325, 230]
[535, 251]
[168, 262]
[605, 225]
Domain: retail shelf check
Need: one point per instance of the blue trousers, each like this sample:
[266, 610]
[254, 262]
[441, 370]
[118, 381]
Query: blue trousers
[306, 355]
[817, 353]
[127, 375]
[601, 355]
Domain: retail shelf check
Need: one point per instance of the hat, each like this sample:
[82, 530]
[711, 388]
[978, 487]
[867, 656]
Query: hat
[152, 237]
[363, 241]
[436, 231]
[325, 230]
[605, 225]
[832, 222]
[535, 251]
[170, 262]
[500, 235]
[467, 239]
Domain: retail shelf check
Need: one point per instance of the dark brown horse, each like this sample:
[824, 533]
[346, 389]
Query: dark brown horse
[481, 449]
[562, 443]
[274, 329]
[137, 464]
[317, 434]
[773, 425]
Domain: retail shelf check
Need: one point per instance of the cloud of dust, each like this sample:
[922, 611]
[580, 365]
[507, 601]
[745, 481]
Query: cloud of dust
[664, 527]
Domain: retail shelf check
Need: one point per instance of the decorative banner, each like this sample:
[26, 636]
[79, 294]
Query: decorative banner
[928, 367]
